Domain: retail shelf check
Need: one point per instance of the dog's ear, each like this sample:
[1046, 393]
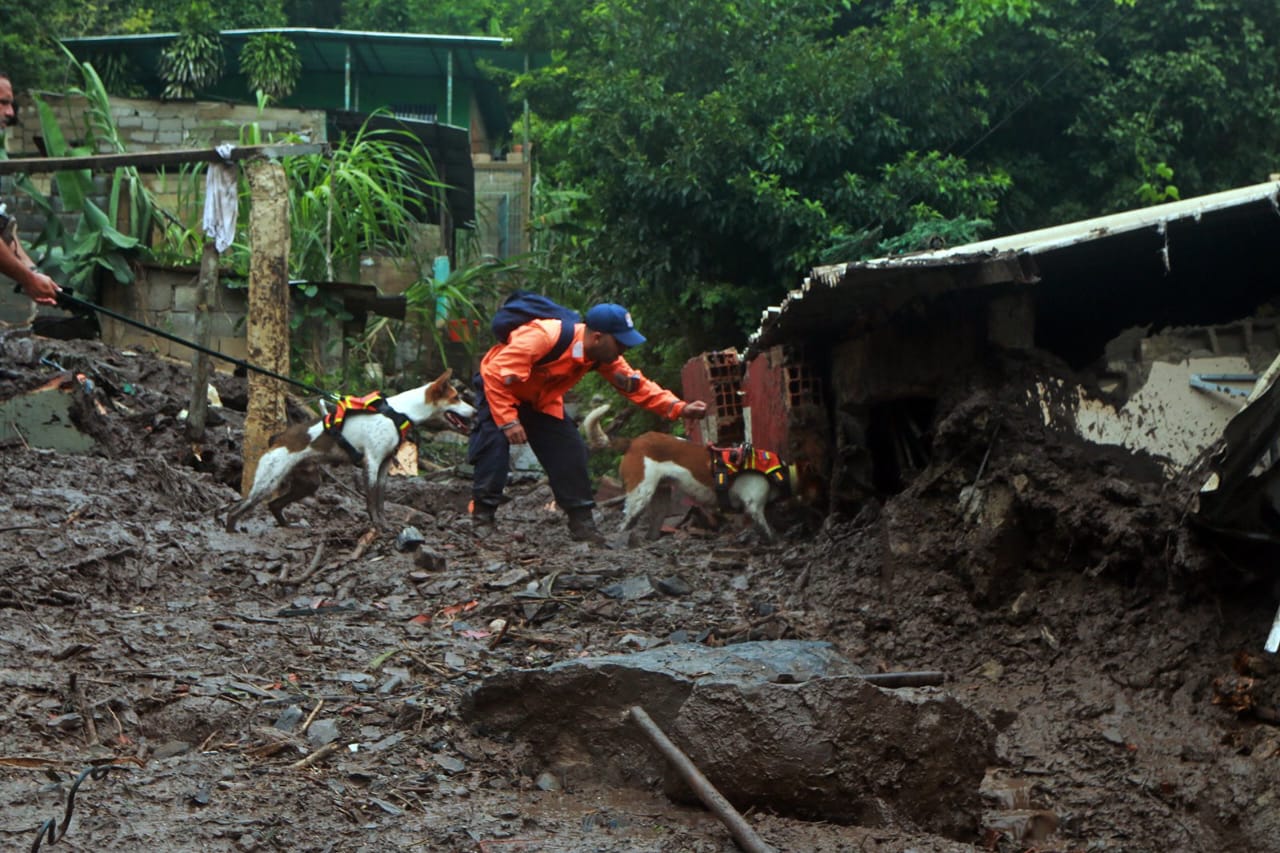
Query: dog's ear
[440, 387]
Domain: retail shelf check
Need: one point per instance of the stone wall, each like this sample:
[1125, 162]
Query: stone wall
[165, 298]
[149, 125]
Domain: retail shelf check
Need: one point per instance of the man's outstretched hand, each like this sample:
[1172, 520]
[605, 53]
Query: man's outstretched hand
[696, 411]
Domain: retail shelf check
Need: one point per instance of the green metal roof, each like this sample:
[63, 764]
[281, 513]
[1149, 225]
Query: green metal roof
[409, 54]
[362, 55]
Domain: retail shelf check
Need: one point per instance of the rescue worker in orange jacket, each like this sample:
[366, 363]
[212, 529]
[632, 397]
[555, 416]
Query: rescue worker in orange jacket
[520, 400]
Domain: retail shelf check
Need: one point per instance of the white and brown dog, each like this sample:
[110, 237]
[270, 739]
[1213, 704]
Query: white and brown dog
[651, 458]
[366, 434]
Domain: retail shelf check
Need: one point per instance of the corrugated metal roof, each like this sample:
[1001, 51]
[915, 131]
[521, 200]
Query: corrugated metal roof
[1061, 236]
[409, 54]
[831, 298]
[372, 54]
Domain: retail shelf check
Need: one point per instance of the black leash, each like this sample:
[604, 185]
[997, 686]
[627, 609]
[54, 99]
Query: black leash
[51, 830]
[67, 300]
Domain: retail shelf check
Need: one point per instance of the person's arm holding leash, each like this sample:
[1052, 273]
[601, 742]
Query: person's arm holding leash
[34, 283]
[13, 258]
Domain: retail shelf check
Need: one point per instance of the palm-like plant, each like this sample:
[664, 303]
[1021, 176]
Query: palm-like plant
[271, 65]
[96, 245]
[358, 201]
[194, 60]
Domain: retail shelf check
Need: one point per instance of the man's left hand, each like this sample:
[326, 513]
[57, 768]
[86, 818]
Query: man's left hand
[41, 288]
[697, 410]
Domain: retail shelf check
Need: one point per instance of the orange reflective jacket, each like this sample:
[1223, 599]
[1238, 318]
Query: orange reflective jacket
[511, 376]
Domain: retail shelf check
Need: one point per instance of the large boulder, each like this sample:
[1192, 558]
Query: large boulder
[787, 726]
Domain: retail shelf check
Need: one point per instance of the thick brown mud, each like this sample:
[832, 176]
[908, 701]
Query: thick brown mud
[1114, 654]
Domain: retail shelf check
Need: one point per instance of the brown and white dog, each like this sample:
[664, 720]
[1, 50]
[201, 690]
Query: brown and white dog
[651, 458]
[290, 466]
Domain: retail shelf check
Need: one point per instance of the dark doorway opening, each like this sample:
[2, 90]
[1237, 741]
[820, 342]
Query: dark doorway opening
[899, 438]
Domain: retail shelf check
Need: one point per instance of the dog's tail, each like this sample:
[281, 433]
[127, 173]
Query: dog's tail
[597, 439]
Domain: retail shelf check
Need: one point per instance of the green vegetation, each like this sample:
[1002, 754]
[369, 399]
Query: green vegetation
[271, 64]
[694, 160]
[355, 203]
[77, 258]
[470, 17]
[194, 60]
[717, 151]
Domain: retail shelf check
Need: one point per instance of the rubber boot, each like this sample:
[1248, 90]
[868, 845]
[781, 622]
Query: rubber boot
[482, 518]
[582, 526]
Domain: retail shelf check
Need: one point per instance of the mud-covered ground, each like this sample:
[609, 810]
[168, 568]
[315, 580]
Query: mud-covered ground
[1117, 656]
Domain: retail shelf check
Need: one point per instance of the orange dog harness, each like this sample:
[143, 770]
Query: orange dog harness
[369, 404]
[728, 462]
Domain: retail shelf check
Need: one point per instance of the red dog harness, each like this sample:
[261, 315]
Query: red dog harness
[728, 462]
[369, 404]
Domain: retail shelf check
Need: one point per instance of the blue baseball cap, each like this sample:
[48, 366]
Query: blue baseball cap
[614, 320]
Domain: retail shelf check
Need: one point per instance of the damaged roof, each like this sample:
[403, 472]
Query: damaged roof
[840, 300]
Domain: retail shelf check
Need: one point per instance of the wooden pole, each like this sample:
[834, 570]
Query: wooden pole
[713, 799]
[268, 315]
[206, 285]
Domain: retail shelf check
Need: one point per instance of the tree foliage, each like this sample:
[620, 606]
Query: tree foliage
[696, 158]
[271, 64]
[194, 60]
[1106, 106]
[715, 152]
[460, 17]
[28, 52]
[729, 146]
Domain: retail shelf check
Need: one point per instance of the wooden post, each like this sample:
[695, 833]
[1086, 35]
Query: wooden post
[268, 315]
[205, 286]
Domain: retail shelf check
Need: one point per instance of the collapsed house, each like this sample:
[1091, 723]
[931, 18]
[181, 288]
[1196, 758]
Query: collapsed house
[1168, 314]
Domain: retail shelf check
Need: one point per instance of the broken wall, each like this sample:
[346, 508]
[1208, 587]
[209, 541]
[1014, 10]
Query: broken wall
[885, 384]
[1171, 394]
[715, 378]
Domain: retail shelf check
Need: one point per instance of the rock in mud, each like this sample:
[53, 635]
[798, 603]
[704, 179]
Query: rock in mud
[787, 726]
[409, 539]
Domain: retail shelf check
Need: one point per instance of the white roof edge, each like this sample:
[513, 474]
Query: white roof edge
[1058, 236]
[1043, 240]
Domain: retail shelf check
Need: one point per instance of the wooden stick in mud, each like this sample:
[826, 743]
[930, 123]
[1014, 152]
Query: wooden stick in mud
[311, 569]
[312, 716]
[323, 752]
[362, 544]
[86, 712]
[713, 799]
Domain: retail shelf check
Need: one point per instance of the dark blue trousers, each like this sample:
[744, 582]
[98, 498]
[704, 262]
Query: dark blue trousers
[555, 441]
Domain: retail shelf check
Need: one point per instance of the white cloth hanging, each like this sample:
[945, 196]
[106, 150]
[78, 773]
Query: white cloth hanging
[222, 199]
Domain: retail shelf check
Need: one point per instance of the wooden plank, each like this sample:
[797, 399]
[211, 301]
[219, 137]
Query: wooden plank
[104, 162]
[206, 286]
[268, 314]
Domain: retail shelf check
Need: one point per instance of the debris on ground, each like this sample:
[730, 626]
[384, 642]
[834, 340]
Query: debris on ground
[318, 687]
